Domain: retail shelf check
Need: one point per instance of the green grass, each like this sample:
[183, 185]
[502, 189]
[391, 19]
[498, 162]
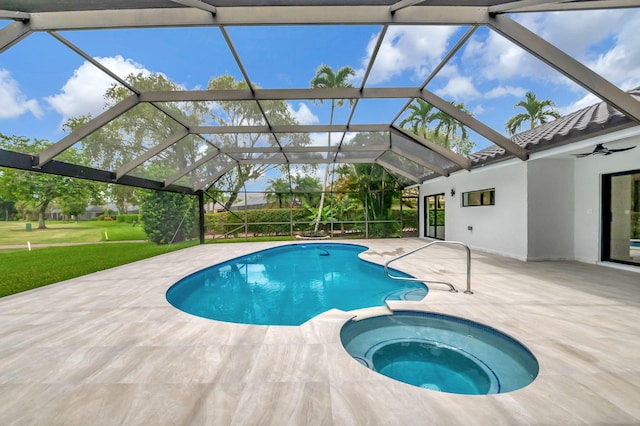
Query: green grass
[24, 270]
[14, 233]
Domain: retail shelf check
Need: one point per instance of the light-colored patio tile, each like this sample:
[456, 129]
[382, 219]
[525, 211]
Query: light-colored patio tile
[108, 348]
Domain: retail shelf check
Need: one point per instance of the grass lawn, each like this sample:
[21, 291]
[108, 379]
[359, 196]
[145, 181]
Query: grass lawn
[68, 232]
[24, 270]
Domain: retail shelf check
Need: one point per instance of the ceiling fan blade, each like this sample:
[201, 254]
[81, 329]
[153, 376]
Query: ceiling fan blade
[582, 155]
[621, 149]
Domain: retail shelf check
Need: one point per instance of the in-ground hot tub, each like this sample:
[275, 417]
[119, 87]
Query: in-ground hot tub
[440, 352]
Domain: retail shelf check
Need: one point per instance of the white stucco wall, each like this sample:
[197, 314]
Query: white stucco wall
[498, 229]
[550, 209]
[588, 173]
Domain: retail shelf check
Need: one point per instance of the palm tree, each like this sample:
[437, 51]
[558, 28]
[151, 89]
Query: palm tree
[420, 115]
[278, 190]
[448, 126]
[537, 112]
[451, 133]
[307, 188]
[326, 78]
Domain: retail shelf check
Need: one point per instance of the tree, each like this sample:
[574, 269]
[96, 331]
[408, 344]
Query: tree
[371, 185]
[421, 113]
[235, 113]
[168, 217]
[326, 78]
[42, 189]
[7, 199]
[100, 148]
[307, 189]
[375, 189]
[278, 190]
[536, 112]
[451, 133]
[144, 126]
[448, 131]
[123, 196]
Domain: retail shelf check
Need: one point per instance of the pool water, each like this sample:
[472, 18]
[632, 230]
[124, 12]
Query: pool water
[288, 285]
[433, 366]
[440, 353]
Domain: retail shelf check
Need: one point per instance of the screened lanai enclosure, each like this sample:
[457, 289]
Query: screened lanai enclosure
[325, 115]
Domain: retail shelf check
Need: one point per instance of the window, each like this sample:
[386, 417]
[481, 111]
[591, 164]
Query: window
[484, 197]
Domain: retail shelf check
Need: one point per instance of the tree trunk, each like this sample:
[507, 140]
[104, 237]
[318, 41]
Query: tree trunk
[41, 213]
[234, 195]
[326, 173]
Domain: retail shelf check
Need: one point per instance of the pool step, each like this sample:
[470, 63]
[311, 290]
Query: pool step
[371, 312]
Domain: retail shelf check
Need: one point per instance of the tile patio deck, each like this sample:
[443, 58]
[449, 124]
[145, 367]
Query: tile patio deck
[107, 348]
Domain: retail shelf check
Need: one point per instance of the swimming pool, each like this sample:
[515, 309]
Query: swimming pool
[288, 285]
[440, 352]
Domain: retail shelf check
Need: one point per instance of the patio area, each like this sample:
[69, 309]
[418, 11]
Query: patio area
[107, 348]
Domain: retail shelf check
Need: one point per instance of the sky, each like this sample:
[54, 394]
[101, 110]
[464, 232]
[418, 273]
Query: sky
[43, 82]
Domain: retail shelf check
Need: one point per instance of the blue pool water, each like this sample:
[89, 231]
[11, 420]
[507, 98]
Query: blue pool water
[289, 285]
[440, 352]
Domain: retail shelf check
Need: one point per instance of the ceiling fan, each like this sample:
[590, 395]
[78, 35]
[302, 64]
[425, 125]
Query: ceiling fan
[600, 149]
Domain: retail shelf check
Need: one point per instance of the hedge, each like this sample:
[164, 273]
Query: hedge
[277, 221]
[127, 218]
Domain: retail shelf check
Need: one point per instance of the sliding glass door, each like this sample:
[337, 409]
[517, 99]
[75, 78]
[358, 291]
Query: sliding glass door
[434, 216]
[621, 217]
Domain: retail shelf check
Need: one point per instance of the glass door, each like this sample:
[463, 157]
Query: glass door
[621, 217]
[434, 216]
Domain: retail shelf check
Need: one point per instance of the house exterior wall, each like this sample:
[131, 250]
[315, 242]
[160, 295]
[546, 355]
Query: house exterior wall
[588, 182]
[550, 195]
[547, 208]
[501, 228]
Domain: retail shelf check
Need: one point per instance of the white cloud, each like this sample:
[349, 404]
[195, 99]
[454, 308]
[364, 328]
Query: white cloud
[478, 110]
[407, 48]
[496, 58]
[84, 92]
[322, 139]
[587, 100]
[303, 114]
[459, 88]
[502, 91]
[13, 103]
[621, 65]
[604, 40]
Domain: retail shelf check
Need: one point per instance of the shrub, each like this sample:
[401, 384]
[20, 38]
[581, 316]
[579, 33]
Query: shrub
[127, 218]
[168, 217]
[260, 221]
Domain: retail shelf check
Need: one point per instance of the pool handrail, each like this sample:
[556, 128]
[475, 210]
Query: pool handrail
[452, 289]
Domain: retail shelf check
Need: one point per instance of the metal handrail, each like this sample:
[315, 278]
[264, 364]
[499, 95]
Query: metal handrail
[451, 287]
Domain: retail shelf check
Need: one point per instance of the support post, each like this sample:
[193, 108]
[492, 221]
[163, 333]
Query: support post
[201, 215]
